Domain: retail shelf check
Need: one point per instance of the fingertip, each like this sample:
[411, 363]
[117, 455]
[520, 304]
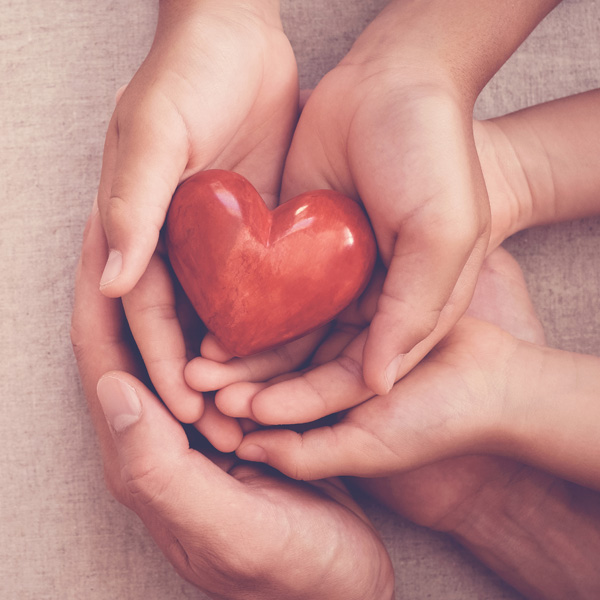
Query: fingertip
[120, 402]
[212, 349]
[203, 375]
[123, 270]
[380, 377]
[187, 406]
[223, 432]
[112, 269]
[252, 453]
[236, 399]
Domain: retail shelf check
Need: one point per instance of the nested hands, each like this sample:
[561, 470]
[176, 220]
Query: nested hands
[222, 524]
[218, 89]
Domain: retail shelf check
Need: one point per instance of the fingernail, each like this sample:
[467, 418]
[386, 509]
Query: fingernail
[113, 268]
[252, 453]
[119, 402]
[392, 371]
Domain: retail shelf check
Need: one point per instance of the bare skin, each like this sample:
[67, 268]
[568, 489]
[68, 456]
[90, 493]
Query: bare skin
[222, 524]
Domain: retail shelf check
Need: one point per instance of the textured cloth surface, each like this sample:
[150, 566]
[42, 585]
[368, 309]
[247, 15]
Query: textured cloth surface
[62, 535]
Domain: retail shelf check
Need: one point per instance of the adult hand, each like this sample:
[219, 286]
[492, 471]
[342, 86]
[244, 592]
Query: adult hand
[221, 523]
[218, 89]
[537, 531]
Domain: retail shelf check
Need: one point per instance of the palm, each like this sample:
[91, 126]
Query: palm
[227, 101]
[320, 541]
[408, 154]
[441, 494]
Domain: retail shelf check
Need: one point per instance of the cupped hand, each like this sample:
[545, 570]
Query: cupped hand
[223, 524]
[443, 495]
[454, 402]
[293, 384]
[217, 89]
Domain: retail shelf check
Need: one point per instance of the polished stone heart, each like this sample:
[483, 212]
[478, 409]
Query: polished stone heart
[259, 278]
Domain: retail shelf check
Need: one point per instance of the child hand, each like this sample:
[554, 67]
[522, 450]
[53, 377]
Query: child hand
[218, 89]
[264, 387]
[407, 152]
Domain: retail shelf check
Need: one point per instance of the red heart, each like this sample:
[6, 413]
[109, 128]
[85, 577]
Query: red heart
[260, 278]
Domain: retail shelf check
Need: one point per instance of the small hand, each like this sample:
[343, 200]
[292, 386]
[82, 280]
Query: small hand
[452, 403]
[218, 89]
[221, 523]
[266, 389]
[407, 152]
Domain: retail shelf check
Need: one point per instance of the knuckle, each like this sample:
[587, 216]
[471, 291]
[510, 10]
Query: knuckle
[403, 316]
[351, 366]
[114, 206]
[146, 483]
[159, 311]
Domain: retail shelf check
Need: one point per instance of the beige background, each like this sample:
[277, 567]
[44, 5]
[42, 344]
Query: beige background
[61, 534]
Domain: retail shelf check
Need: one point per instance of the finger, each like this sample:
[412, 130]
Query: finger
[405, 429]
[206, 375]
[145, 155]
[315, 454]
[303, 398]
[160, 474]
[211, 349]
[152, 315]
[98, 331]
[223, 432]
[424, 270]
[100, 345]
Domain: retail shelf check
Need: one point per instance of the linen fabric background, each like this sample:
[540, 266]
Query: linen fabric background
[62, 534]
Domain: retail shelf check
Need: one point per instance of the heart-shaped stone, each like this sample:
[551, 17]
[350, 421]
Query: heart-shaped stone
[260, 278]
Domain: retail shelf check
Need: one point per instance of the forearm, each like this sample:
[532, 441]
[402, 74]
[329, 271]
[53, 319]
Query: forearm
[551, 413]
[539, 533]
[557, 145]
[460, 41]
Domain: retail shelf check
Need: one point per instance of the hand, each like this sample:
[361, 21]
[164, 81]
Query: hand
[442, 494]
[221, 523]
[217, 90]
[265, 388]
[392, 125]
[537, 531]
[453, 403]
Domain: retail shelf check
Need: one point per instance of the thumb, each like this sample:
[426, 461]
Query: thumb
[144, 159]
[159, 474]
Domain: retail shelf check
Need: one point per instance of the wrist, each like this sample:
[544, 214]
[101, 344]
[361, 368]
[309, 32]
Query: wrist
[459, 44]
[550, 413]
[511, 186]
[539, 533]
[529, 171]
